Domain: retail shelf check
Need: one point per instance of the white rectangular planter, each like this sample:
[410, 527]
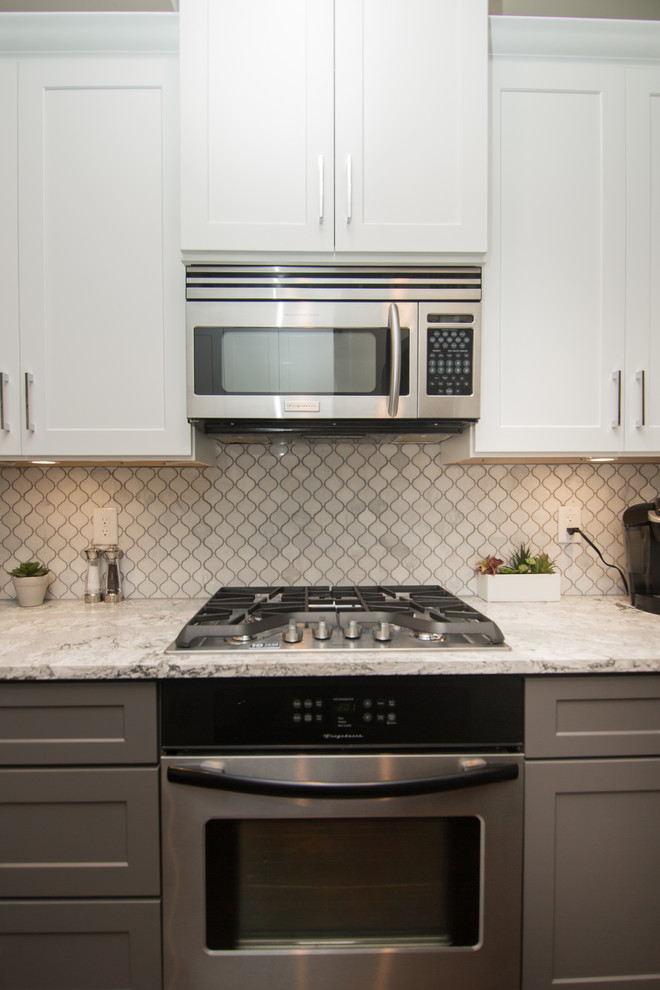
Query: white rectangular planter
[519, 587]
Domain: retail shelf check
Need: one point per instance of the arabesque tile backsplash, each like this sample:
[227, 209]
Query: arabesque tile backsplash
[316, 512]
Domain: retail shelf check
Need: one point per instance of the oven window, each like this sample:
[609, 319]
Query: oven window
[342, 883]
[281, 361]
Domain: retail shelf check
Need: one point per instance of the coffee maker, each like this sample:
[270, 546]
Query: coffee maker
[641, 531]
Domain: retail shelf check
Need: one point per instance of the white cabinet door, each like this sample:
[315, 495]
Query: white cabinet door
[101, 283]
[642, 378]
[10, 390]
[411, 125]
[257, 125]
[554, 287]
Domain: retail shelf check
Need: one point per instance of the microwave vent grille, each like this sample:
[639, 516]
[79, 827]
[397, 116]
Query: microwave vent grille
[211, 283]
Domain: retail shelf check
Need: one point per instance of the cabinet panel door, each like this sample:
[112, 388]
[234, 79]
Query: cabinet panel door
[73, 945]
[78, 723]
[411, 125]
[257, 127]
[554, 288]
[643, 272]
[592, 875]
[10, 427]
[79, 833]
[101, 283]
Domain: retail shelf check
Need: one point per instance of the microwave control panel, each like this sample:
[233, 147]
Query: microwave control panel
[449, 360]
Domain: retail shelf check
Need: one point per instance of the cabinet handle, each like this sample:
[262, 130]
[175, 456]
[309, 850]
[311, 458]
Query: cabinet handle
[29, 379]
[349, 188]
[616, 377]
[4, 380]
[640, 376]
[321, 189]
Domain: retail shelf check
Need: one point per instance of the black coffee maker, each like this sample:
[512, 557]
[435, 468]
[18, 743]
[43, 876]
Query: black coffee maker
[641, 531]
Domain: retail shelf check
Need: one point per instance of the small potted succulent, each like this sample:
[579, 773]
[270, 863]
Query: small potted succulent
[528, 577]
[31, 579]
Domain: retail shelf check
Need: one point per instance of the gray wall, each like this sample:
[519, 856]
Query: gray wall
[632, 9]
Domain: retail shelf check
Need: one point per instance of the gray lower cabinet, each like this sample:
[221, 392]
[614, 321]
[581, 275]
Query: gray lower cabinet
[591, 908]
[79, 828]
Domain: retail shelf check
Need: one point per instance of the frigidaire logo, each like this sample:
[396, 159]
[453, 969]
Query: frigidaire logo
[343, 735]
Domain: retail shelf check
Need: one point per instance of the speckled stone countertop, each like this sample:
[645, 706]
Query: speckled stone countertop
[71, 640]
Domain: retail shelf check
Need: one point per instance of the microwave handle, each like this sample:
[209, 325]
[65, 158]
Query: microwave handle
[395, 356]
[205, 776]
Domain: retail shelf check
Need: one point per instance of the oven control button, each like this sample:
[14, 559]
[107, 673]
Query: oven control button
[391, 717]
[297, 717]
[307, 717]
[308, 702]
[292, 633]
[367, 717]
[368, 703]
[297, 703]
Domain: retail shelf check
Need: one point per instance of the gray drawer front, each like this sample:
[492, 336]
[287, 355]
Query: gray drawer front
[77, 945]
[79, 833]
[592, 716]
[73, 723]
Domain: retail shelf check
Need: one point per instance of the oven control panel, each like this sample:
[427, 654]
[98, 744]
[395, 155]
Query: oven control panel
[445, 711]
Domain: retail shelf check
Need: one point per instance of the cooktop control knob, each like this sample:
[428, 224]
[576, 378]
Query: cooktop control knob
[382, 632]
[322, 631]
[352, 631]
[292, 633]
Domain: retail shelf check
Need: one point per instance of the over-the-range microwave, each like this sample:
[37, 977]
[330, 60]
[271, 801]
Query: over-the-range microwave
[333, 350]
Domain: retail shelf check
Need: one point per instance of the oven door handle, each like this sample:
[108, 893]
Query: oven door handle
[206, 776]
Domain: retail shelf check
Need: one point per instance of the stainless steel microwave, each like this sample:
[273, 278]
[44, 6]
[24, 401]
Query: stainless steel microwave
[339, 350]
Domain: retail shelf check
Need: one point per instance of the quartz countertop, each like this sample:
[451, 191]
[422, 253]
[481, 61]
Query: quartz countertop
[64, 639]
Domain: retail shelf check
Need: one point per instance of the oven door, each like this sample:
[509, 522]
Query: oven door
[316, 872]
[302, 360]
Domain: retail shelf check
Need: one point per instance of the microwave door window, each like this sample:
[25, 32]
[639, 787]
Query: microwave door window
[328, 362]
[291, 361]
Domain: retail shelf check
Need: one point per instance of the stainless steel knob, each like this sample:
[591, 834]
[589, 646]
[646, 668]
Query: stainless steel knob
[322, 631]
[292, 633]
[352, 631]
[382, 632]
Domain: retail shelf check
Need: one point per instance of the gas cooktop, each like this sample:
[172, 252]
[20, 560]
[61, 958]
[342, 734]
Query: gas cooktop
[381, 617]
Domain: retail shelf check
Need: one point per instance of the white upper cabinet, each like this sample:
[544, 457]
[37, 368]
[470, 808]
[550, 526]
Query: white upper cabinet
[92, 285]
[10, 405]
[642, 370]
[353, 126]
[257, 125]
[554, 287]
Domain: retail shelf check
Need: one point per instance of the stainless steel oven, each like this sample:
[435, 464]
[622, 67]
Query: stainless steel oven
[342, 831]
[331, 349]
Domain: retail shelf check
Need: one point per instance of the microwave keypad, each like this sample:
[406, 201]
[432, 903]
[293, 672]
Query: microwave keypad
[449, 354]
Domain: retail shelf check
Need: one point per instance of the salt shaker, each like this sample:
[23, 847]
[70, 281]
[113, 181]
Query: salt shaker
[93, 581]
[112, 591]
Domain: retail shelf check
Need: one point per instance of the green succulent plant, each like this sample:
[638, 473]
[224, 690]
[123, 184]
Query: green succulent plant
[30, 568]
[522, 561]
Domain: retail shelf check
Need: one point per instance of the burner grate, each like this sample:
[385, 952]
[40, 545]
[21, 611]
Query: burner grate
[426, 610]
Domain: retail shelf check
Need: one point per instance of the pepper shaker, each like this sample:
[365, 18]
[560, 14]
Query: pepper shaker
[112, 592]
[93, 556]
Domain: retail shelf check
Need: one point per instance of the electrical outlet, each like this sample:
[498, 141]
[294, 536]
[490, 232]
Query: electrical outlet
[568, 516]
[105, 526]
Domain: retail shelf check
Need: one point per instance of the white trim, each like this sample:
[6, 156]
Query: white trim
[576, 37]
[103, 32]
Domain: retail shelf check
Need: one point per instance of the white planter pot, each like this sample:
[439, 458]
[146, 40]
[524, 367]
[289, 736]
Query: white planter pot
[30, 591]
[519, 587]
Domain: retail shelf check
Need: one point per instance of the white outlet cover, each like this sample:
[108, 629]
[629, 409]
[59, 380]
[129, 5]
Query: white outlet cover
[105, 526]
[568, 516]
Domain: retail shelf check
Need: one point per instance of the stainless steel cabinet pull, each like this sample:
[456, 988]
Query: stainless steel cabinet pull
[203, 776]
[640, 376]
[4, 380]
[349, 189]
[616, 377]
[321, 189]
[29, 379]
[395, 357]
